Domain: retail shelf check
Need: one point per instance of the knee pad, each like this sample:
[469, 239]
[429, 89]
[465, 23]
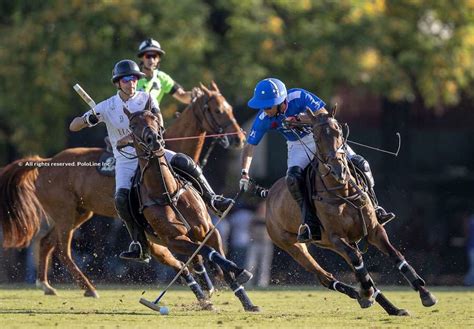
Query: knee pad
[185, 163]
[364, 166]
[360, 163]
[294, 176]
[121, 199]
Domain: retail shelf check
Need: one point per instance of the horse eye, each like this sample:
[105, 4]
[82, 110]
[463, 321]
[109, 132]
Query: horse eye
[132, 127]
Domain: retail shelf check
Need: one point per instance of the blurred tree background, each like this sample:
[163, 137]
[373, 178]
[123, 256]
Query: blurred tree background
[415, 51]
[405, 65]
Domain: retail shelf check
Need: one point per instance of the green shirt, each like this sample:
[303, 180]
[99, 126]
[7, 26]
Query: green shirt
[159, 85]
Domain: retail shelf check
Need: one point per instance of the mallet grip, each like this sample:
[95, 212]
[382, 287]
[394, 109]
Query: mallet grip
[85, 96]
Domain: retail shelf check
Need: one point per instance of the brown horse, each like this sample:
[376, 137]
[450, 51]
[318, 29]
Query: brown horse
[347, 215]
[32, 187]
[176, 212]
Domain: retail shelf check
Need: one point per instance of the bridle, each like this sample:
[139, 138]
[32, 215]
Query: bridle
[326, 157]
[206, 116]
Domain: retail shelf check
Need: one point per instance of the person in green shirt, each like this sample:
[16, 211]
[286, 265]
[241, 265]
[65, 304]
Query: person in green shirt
[157, 82]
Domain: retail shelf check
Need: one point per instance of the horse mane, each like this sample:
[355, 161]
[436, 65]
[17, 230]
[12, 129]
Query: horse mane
[21, 211]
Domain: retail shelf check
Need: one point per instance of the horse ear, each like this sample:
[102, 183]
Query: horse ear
[127, 112]
[204, 88]
[214, 86]
[333, 111]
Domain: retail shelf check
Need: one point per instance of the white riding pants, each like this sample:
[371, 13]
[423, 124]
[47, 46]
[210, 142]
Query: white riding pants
[125, 168]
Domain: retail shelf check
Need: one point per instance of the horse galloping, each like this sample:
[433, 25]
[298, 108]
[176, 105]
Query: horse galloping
[69, 196]
[175, 211]
[346, 214]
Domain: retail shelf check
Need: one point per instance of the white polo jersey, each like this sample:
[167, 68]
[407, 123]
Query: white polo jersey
[110, 112]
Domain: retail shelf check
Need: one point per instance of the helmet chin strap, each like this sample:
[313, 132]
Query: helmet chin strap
[279, 107]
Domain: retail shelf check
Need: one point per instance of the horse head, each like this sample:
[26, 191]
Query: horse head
[146, 131]
[217, 117]
[329, 140]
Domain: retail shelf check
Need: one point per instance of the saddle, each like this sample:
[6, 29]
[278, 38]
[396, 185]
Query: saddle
[136, 207]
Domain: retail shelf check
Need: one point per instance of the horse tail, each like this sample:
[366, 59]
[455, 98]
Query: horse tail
[21, 211]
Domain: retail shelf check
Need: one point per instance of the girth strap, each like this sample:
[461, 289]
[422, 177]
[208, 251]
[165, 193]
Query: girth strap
[169, 200]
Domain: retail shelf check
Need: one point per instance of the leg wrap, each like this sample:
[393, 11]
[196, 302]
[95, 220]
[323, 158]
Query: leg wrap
[194, 286]
[363, 276]
[344, 288]
[410, 275]
[214, 256]
[203, 277]
[239, 291]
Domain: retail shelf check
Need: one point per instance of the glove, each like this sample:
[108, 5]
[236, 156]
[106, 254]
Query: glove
[90, 119]
[244, 182]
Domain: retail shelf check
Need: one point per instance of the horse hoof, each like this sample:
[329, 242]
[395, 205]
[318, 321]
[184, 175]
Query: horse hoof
[206, 305]
[253, 308]
[402, 312]
[428, 299]
[366, 303]
[243, 277]
[209, 292]
[91, 293]
[50, 292]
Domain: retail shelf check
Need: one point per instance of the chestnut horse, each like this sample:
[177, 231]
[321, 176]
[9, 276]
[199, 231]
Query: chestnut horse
[175, 211]
[346, 213]
[69, 196]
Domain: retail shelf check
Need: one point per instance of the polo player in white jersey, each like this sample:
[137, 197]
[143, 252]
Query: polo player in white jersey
[110, 111]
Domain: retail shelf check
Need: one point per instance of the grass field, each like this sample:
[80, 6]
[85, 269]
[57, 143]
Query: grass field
[290, 307]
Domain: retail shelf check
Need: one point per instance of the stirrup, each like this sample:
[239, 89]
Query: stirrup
[135, 252]
[384, 217]
[304, 234]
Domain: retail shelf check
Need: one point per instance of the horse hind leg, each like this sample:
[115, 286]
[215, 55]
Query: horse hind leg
[381, 241]
[202, 276]
[47, 244]
[65, 256]
[234, 276]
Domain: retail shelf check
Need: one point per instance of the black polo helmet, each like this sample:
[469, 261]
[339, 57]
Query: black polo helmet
[126, 67]
[149, 45]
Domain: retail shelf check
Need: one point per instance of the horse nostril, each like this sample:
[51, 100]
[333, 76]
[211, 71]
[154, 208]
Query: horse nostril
[149, 140]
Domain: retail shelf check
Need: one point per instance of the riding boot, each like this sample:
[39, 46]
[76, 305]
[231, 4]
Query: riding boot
[309, 229]
[138, 249]
[185, 165]
[383, 216]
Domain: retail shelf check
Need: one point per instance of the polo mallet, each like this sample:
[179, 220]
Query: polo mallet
[85, 96]
[154, 305]
[379, 149]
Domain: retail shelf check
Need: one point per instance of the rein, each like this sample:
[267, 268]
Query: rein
[149, 154]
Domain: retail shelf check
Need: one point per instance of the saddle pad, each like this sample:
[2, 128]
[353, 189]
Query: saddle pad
[107, 164]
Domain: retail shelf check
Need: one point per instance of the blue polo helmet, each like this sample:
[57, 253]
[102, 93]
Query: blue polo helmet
[267, 93]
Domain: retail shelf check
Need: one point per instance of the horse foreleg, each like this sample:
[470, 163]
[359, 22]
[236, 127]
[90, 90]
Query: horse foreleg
[381, 241]
[164, 256]
[65, 256]
[354, 258]
[239, 291]
[46, 248]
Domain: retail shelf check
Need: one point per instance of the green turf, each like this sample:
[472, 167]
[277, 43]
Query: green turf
[281, 308]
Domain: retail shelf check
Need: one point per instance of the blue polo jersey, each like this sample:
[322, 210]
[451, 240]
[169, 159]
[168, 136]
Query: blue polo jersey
[298, 100]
